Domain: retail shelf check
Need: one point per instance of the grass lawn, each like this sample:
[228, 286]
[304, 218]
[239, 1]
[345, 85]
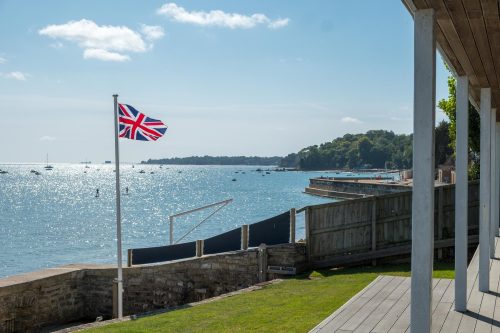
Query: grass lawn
[294, 305]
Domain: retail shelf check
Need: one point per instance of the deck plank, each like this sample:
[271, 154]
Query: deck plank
[369, 324]
[337, 321]
[384, 306]
[486, 311]
[439, 316]
[388, 320]
[443, 308]
[403, 323]
[495, 273]
[468, 323]
[371, 306]
[345, 305]
[452, 321]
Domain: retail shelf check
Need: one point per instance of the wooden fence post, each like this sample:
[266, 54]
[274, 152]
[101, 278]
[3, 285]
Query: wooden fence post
[307, 214]
[440, 219]
[199, 247]
[374, 228]
[171, 229]
[244, 237]
[262, 262]
[292, 225]
[129, 258]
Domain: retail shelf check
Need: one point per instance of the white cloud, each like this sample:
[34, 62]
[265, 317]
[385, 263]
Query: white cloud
[47, 138]
[104, 55]
[3, 60]
[219, 18]
[103, 42]
[401, 118]
[280, 23]
[350, 120]
[15, 76]
[152, 32]
[57, 45]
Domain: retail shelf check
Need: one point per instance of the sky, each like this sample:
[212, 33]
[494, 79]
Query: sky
[228, 77]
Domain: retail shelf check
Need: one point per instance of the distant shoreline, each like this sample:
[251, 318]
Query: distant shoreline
[218, 160]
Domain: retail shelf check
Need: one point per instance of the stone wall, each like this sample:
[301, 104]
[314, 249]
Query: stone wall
[74, 293]
[41, 298]
[349, 186]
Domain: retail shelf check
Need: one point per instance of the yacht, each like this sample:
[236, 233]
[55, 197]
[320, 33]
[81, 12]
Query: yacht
[48, 166]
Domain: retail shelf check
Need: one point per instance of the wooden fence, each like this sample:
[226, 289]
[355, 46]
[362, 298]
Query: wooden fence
[379, 226]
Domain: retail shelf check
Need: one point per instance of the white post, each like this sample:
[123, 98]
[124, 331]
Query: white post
[461, 192]
[423, 170]
[484, 192]
[493, 200]
[497, 179]
[119, 279]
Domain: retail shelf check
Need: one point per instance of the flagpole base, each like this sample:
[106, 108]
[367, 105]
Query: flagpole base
[117, 298]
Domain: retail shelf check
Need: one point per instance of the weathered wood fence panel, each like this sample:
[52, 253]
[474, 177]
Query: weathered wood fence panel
[378, 224]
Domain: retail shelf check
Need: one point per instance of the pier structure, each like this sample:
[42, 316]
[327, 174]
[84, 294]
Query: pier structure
[355, 187]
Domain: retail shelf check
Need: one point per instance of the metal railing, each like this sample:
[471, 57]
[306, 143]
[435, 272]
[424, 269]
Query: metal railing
[222, 204]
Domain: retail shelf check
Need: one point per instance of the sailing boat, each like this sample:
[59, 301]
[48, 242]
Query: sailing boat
[48, 166]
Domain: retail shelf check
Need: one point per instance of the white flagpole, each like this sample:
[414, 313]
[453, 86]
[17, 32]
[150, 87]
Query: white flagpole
[119, 279]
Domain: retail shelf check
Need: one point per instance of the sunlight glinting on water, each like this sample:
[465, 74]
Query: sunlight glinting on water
[55, 218]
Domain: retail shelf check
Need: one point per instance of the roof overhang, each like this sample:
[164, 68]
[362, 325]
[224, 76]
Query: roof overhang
[468, 38]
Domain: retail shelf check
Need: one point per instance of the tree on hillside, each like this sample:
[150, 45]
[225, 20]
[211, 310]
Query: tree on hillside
[375, 149]
[365, 147]
[442, 149]
[449, 108]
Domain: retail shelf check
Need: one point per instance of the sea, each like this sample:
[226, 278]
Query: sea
[55, 218]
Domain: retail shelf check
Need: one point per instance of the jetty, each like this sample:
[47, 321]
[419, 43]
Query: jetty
[355, 187]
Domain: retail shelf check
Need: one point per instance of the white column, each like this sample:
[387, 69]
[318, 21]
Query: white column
[484, 191]
[493, 182]
[461, 192]
[497, 179]
[423, 170]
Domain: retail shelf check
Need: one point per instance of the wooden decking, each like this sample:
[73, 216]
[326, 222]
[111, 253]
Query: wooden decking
[384, 306]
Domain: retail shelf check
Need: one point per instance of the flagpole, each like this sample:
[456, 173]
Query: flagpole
[119, 279]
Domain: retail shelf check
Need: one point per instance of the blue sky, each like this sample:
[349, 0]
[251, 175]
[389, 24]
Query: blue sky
[227, 77]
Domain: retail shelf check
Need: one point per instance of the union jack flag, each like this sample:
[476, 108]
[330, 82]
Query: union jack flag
[137, 126]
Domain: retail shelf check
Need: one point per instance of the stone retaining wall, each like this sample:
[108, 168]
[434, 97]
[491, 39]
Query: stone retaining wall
[75, 293]
[349, 186]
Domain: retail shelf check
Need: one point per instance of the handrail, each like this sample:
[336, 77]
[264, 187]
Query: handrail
[224, 203]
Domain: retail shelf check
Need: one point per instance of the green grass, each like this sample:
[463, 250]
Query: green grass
[294, 305]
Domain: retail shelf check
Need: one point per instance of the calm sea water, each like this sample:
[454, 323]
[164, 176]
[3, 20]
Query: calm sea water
[55, 219]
